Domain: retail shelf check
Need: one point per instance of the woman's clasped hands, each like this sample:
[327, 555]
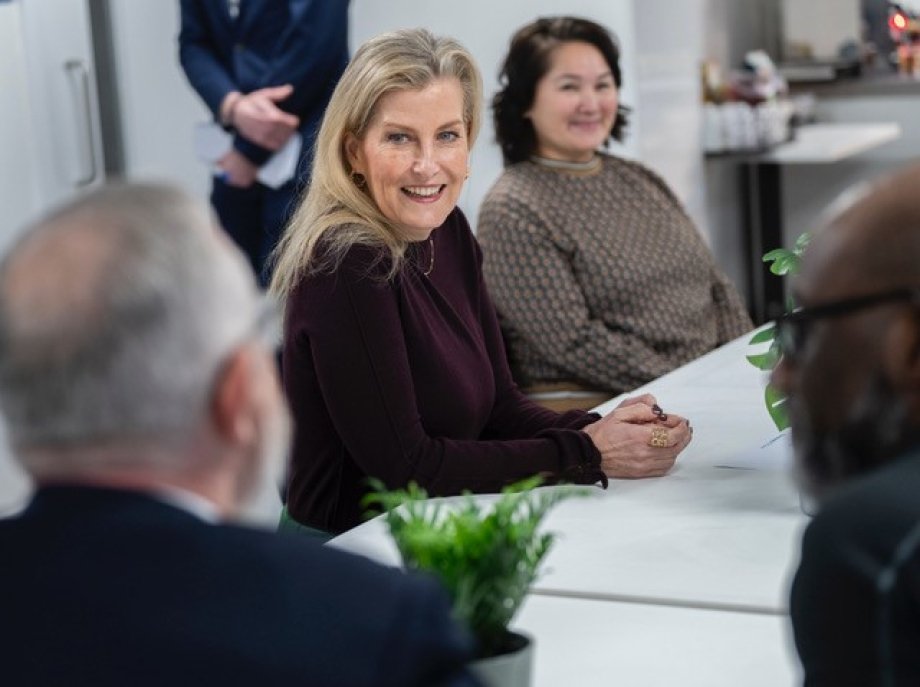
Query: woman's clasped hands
[638, 439]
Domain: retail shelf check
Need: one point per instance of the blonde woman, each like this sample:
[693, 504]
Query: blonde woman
[393, 361]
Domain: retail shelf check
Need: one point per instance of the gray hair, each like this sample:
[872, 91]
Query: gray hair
[116, 312]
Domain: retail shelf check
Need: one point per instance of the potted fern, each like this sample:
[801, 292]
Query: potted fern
[487, 556]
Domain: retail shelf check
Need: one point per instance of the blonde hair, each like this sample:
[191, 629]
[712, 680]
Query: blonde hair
[335, 211]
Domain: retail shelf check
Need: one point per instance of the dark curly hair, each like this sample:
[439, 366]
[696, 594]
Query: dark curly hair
[527, 62]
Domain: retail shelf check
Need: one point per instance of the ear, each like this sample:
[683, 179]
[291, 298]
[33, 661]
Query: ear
[902, 353]
[233, 399]
[353, 153]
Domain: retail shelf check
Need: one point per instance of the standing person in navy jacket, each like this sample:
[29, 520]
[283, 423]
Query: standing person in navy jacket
[141, 395]
[265, 69]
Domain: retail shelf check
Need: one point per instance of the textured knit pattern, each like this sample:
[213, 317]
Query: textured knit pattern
[601, 277]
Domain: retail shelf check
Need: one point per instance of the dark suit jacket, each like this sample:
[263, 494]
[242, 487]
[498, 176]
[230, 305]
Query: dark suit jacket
[856, 597]
[271, 43]
[101, 587]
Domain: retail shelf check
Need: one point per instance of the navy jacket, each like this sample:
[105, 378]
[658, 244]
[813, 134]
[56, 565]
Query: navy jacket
[855, 602]
[102, 587]
[271, 43]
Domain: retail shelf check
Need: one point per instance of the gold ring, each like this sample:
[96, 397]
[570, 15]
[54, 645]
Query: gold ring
[659, 438]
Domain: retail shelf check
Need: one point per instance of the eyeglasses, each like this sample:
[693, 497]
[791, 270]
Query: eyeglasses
[792, 328]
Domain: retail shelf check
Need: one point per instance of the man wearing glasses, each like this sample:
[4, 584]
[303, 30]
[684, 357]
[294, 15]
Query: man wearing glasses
[851, 369]
[141, 395]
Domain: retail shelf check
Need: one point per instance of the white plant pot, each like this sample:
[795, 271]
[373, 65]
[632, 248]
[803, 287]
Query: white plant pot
[511, 669]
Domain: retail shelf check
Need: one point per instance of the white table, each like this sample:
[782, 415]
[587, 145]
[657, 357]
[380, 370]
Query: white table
[588, 643]
[709, 548]
[705, 535]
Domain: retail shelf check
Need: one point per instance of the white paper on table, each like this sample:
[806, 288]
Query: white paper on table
[774, 455]
[211, 142]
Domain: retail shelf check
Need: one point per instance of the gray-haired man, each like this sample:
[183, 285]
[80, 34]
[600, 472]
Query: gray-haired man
[141, 397]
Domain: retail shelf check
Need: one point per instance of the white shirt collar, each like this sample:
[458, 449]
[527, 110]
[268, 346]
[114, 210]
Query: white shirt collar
[190, 502]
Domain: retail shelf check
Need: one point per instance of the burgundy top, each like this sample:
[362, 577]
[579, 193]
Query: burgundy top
[407, 380]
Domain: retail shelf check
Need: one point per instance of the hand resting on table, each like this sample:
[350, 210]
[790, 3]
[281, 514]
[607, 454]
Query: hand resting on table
[624, 438]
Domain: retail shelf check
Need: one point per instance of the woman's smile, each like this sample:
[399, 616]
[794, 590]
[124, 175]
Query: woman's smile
[414, 156]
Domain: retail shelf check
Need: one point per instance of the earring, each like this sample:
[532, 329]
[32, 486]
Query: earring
[358, 179]
[467, 174]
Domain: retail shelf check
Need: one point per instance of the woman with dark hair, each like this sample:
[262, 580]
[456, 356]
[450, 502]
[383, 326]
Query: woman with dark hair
[600, 278]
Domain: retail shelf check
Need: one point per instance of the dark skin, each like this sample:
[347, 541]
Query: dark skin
[855, 383]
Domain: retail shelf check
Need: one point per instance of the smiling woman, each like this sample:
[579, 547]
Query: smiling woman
[393, 360]
[600, 278]
[575, 104]
[414, 166]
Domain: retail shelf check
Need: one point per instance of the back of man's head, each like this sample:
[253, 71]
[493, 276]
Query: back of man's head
[116, 312]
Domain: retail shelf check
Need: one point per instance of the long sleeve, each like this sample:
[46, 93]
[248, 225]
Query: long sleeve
[600, 278]
[198, 57]
[514, 415]
[404, 381]
[310, 55]
[732, 319]
[309, 51]
[302, 42]
[537, 292]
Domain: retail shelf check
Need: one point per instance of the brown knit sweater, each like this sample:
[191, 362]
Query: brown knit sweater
[601, 277]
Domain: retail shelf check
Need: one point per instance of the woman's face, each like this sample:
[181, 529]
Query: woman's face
[415, 156]
[575, 103]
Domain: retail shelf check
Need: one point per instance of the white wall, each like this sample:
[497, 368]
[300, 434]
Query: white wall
[823, 25]
[158, 106]
[485, 27]
[50, 145]
[659, 40]
[17, 169]
[668, 52]
[39, 140]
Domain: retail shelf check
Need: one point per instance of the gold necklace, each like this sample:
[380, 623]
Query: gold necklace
[431, 261]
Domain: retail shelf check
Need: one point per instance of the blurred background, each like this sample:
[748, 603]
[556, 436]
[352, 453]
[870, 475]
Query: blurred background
[92, 90]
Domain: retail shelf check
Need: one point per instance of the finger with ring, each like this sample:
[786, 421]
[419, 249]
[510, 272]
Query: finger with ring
[659, 438]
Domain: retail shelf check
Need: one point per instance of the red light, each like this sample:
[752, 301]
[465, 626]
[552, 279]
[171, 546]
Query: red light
[898, 21]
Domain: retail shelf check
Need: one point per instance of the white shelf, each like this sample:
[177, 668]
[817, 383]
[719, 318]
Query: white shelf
[826, 143]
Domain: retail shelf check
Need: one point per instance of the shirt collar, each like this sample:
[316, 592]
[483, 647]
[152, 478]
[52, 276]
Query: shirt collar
[190, 502]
